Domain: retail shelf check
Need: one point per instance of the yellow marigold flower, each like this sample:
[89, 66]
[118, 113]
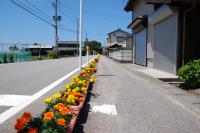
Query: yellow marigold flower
[80, 82]
[70, 99]
[48, 100]
[84, 89]
[61, 122]
[56, 96]
[59, 105]
[77, 89]
[92, 80]
[48, 116]
[69, 90]
[67, 86]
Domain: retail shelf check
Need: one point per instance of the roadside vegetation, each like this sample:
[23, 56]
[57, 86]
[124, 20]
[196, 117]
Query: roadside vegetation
[190, 74]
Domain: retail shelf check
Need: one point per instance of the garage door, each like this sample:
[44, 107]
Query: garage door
[165, 44]
[140, 47]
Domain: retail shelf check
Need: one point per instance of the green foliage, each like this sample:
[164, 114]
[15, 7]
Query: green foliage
[190, 73]
[5, 58]
[93, 45]
[105, 52]
[52, 54]
[10, 58]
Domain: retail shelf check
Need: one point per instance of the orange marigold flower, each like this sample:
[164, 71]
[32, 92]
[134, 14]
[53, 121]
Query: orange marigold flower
[32, 130]
[76, 98]
[64, 110]
[81, 99]
[48, 116]
[59, 105]
[25, 118]
[61, 122]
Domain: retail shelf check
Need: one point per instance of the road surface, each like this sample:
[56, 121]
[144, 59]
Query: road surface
[124, 100]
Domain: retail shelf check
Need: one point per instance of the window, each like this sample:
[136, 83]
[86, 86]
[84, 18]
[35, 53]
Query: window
[120, 39]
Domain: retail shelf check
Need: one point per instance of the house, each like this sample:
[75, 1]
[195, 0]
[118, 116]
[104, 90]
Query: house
[67, 48]
[165, 32]
[117, 37]
[39, 49]
[119, 45]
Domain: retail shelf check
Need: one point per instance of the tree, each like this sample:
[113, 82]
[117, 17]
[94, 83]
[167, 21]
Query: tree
[93, 45]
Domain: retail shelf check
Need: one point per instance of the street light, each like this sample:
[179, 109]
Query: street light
[80, 34]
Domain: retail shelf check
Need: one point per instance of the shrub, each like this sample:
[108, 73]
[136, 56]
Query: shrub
[52, 54]
[105, 53]
[5, 58]
[190, 73]
[10, 58]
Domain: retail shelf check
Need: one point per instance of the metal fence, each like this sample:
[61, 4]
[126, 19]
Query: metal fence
[14, 52]
[15, 56]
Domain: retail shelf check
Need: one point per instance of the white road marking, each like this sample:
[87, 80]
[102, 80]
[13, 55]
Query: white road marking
[12, 111]
[105, 109]
[12, 100]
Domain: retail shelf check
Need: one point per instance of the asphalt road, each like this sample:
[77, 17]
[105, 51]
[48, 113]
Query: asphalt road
[27, 78]
[143, 104]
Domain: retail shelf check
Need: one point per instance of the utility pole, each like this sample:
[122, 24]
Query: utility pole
[77, 34]
[55, 18]
[56, 26]
[80, 35]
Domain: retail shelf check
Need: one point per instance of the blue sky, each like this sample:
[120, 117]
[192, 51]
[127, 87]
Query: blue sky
[100, 18]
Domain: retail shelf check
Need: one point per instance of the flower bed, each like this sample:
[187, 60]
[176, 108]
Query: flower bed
[62, 109]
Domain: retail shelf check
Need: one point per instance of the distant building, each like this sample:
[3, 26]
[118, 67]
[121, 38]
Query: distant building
[68, 48]
[39, 49]
[119, 44]
[117, 37]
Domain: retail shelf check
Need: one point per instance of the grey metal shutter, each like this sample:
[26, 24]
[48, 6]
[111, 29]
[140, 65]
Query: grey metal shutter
[140, 47]
[165, 44]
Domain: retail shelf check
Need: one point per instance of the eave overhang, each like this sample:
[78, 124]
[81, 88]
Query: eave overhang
[141, 20]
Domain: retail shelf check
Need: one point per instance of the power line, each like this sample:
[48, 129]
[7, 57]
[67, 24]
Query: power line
[34, 10]
[37, 8]
[37, 16]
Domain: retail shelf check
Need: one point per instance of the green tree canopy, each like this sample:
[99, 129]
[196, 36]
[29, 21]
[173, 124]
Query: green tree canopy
[93, 45]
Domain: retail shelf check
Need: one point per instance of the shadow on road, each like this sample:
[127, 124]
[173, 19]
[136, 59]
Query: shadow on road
[105, 75]
[82, 118]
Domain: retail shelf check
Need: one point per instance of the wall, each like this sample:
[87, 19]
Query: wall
[122, 55]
